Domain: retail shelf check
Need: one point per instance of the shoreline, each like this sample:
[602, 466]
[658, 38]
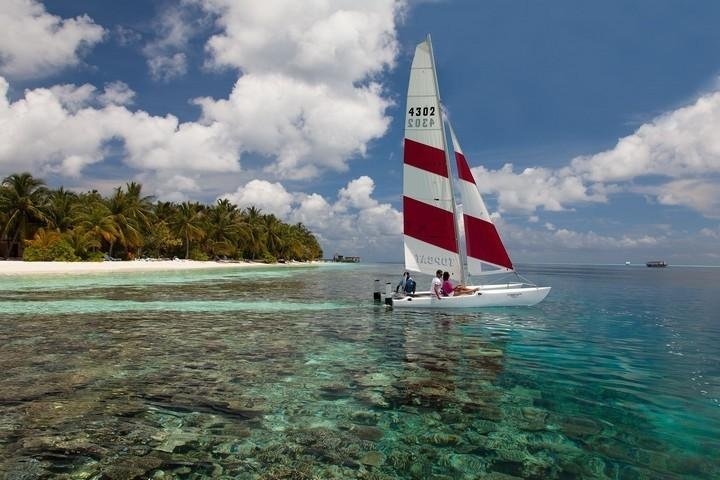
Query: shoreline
[9, 268]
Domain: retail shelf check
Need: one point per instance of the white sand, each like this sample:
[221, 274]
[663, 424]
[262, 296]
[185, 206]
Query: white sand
[12, 267]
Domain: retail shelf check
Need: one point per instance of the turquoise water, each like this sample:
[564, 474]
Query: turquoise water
[295, 374]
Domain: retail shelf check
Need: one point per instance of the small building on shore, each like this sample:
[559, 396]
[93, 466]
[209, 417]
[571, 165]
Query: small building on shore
[344, 259]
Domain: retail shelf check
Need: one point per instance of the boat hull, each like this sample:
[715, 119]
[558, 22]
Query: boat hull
[493, 297]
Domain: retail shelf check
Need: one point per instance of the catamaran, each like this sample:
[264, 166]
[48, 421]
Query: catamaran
[430, 229]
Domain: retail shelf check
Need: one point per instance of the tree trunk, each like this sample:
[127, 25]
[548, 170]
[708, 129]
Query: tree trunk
[187, 246]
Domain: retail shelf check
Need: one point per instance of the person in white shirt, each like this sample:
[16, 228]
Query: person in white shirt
[436, 287]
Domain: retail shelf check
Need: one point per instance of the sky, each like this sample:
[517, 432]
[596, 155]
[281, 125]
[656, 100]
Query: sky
[592, 128]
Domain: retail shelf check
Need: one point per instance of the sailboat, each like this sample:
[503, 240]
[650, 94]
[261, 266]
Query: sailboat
[430, 227]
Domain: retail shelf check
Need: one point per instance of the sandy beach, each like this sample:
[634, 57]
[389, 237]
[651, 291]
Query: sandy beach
[17, 267]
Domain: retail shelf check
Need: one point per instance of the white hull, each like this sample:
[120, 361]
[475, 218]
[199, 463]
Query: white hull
[488, 297]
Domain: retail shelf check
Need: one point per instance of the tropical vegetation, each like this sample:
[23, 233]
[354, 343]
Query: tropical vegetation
[39, 223]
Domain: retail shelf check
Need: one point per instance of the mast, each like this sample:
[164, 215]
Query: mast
[463, 273]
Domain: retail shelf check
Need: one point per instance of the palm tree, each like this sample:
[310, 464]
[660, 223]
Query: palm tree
[60, 209]
[22, 199]
[81, 241]
[139, 209]
[97, 221]
[222, 228]
[187, 224]
[44, 238]
[251, 227]
[127, 233]
[273, 229]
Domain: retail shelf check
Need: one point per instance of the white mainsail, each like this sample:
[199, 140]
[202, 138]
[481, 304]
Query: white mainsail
[429, 228]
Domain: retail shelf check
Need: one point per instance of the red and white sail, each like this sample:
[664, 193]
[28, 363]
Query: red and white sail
[485, 251]
[430, 231]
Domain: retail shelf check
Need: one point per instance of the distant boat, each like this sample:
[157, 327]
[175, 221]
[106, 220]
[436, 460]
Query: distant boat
[627, 263]
[657, 264]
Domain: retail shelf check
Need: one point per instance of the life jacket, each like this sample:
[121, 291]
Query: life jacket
[409, 285]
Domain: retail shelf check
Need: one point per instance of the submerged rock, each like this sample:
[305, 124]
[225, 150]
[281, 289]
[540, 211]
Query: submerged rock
[374, 459]
[442, 439]
[365, 432]
[580, 427]
[131, 468]
[533, 419]
[376, 379]
[364, 417]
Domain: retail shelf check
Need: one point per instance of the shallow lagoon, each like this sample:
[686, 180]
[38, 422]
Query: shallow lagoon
[293, 373]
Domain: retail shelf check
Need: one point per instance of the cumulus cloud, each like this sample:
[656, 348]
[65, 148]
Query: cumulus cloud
[564, 243]
[306, 128]
[682, 145]
[35, 43]
[343, 41]
[169, 187]
[700, 195]
[534, 188]
[711, 233]
[306, 96]
[59, 130]
[167, 67]
[165, 57]
[71, 97]
[353, 222]
[308, 99]
[268, 197]
[117, 93]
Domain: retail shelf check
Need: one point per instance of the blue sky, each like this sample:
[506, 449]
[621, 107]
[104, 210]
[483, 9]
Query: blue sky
[593, 127]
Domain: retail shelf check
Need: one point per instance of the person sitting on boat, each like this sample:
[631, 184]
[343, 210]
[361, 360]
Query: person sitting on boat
[448, 290]
[401, 284]
[409, 286]
[436, 287]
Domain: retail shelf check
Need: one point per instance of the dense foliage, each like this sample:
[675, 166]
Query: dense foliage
[38, 223]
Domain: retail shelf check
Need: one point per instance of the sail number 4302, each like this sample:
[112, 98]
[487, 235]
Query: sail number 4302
[421, 111]
[421, 117]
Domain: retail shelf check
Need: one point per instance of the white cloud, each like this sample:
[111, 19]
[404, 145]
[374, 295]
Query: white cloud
[702, 195]
[170, 188]
[268, 197]
[534, 188]
[593, 241]
[167, 67]
[73, 97]
[308, 99]
[357, 194]
[559, 242]
[34, 43]
[54, 130]
[681, 143]
[125, 35]
[117, 93]
[307, 128]
[711, 233]
[306, 95]
[165, 57]
[341, 40]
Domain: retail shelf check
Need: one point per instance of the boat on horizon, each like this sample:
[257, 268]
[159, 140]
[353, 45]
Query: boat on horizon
[430, 226]
[656, 264]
